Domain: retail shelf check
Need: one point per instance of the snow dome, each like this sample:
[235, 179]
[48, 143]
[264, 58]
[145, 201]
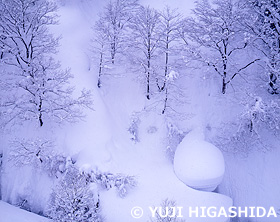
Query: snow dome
[199, 164]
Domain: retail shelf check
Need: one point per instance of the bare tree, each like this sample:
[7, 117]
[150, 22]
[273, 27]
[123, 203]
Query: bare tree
[24, 33]
[145, 39]
[265, 26]
[216, 37]
[100, 47]
[42, 94]
[173, 95]
[33, 84]
[170, 20]
[110, 32]
[39, 154]
[115, 18]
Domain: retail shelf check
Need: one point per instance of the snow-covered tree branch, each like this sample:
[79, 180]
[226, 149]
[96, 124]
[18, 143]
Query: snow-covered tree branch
[34, 85]
[264, 26]
[145, 40]
[170, 21]
[215, 36]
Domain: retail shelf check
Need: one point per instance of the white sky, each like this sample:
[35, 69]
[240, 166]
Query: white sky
[184, 6]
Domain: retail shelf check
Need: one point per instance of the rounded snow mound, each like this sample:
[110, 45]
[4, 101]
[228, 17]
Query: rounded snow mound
[199, 164]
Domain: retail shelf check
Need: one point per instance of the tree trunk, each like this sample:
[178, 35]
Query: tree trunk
[113, 52]
[165, 101]
[224, 86]
[148, 85]
[113, 59]
[224, 74]
[166, 64]
[40, 119]
[148, 73]
[272, 84]
[40, 112]
[100, 70]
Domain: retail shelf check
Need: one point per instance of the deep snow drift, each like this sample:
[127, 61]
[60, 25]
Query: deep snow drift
[199, 164]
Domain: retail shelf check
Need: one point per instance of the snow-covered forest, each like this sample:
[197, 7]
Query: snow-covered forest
[111, 109]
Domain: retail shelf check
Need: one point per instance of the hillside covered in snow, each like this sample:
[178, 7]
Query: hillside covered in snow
[110, 110]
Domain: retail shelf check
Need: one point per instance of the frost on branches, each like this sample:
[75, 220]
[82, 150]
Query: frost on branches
[42, 94]
[215, 36]
[38, 153]
[73, 200]
[110, 33]
[114, 21]
[265, 26]
[262, 114]
[258, 120]
[33, 84]
[122, 183]
[144, 40]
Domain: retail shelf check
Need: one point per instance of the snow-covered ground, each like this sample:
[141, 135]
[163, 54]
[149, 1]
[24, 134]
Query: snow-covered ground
[102, 140]
[10, 213]
[106, 142]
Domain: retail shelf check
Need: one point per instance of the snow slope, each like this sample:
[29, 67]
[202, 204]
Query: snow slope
[9, 213]
[102, 140]
[253, 181]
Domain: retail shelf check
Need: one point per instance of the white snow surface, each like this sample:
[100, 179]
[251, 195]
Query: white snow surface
[9, 213]
[199, 164]
[103, 141]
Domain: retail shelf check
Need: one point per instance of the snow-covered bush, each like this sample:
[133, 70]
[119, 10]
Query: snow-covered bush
[166, 212]
[260, 118]
[38, 153]
[134, 128]
[123, 183]
[73, 200]
[261, 113]
[174, 137]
